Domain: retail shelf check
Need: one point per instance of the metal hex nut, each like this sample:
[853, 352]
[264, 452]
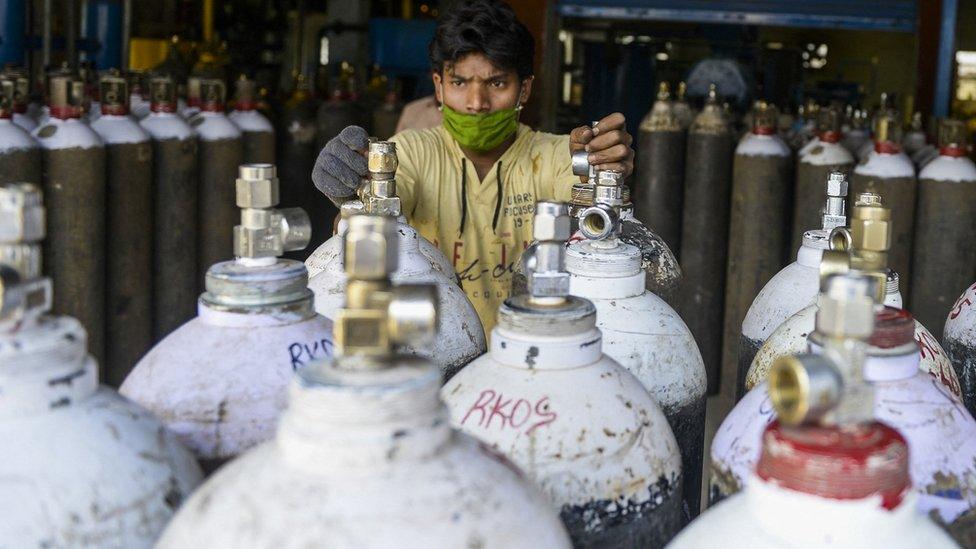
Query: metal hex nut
[548, 284]
[384, 206]
[551, 221]
[371, 247]
[257, 193]
[837, 184]
[382, 157]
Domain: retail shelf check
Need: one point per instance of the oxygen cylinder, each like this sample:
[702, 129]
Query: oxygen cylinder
[192, 106]
[959, 340]
[915, 138]
[387, 115]
[297, 151]
[364, 455]
[705, 225]
[129, 225]
[868, 243]
[334, 115]
[73, 157]
[20, 156]
[796, 286]
[258, 134]
[460, 336]
[640, 331]
[684, 112]
[661, 169]
[823, 156]
[81, 465]
[221, 150]
[174, 200]
[139, 104]
[890, 173]
[219, 381]
[20, 99]
[612, 466]
[662, 273]
[825, 472]
[805, 126]
[858, 135]
[757, 223]
[944, 261]
[941, 436]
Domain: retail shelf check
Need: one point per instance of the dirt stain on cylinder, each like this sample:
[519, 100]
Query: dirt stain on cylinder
[128, 297]
[74, 250]
[175, 288]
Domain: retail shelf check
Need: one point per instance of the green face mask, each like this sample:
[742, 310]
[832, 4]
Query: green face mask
[481, 132]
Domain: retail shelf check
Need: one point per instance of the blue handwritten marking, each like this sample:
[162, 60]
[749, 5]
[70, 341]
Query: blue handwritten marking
[303, 353]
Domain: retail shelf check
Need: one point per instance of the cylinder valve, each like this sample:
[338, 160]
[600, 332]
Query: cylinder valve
[834, 214]
[380, 196]
[266, 232]
[602, 220]
[829, 387]
[377, 315]
[545, 260]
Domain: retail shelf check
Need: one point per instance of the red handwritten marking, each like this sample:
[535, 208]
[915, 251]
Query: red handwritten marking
[511, 413]
[961, 302]
[926, 343]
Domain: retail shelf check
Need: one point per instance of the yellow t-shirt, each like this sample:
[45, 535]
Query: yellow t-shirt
[481, 233]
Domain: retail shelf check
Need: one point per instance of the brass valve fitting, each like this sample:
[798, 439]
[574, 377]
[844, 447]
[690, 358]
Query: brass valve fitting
[377, 315]
[380, 196]
[809, 388]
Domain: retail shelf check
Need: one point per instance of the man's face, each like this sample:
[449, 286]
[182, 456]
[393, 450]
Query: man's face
[474, 85]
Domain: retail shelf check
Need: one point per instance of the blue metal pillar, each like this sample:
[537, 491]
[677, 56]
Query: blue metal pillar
[12, 13]
[103, 33]
[947, 50]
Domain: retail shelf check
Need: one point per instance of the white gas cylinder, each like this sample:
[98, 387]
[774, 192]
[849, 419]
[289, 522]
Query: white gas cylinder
[81, 465]
[605, 456]
[220, 380]
[800, 497]
[941, 434]
[648, 338]
[364, 456]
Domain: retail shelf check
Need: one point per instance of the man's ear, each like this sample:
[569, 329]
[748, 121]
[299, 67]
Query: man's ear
[526, 90]
[438, 87]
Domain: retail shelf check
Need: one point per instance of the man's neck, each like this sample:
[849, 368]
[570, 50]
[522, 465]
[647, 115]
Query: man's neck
[484, 160]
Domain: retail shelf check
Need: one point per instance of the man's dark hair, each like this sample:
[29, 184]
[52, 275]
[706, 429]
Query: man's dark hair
[488, 27]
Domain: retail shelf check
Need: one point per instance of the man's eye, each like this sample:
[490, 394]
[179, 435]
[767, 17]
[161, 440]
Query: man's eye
[458, 82]
[498, 83]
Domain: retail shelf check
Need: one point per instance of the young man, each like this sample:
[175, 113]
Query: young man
[470, 185]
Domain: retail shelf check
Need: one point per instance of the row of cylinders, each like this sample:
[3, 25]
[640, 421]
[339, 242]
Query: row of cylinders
[631, 444]
[137, 209]
[736, 213]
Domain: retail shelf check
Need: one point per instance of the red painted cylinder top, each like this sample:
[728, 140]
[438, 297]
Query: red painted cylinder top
[837, 462]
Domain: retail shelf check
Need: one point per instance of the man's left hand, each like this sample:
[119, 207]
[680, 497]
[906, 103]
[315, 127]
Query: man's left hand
[607, 142]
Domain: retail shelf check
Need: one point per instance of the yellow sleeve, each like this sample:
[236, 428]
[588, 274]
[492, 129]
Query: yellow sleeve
[410, 154]
[560, 170]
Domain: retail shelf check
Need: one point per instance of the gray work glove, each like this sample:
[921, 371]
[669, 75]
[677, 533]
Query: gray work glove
[341, 164]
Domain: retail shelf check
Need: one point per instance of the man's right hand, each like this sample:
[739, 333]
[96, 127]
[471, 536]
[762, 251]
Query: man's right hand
[342, 163]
